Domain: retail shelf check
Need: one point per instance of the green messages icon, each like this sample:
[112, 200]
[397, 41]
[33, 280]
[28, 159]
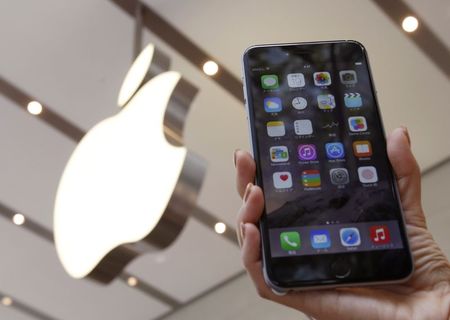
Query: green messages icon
[290, 240]
[269, 81]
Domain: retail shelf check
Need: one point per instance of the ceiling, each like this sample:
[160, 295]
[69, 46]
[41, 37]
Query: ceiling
[73, 55]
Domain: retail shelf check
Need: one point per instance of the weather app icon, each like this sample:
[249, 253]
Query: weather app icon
[272, 104]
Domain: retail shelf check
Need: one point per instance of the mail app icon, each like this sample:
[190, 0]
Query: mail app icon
[320, 239]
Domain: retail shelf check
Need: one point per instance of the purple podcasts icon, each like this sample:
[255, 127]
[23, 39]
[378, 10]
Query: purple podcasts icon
[307, 152]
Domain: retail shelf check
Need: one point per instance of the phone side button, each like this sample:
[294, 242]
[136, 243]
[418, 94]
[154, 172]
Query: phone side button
[341, 268]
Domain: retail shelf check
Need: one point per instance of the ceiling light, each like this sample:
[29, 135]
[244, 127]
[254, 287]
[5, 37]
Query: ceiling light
[410, 24]
[210, 68]
[34, 107]
[220, 227]
[7, 301]
[18, 219]
[132, 281]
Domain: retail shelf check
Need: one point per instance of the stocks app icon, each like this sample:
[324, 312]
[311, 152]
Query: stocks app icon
[307, 152]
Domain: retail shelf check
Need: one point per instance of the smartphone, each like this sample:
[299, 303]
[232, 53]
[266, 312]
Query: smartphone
[332, 212]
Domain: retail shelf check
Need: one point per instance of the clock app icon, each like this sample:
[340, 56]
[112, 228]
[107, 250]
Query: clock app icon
[299, 103]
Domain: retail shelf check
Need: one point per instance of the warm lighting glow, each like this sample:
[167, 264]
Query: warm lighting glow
[7, 301]
[18, 219]
[118, 181]
[220, 227]
[34, 107]
[136, 75]
[210, 68]
[410, 24]
[132, 281]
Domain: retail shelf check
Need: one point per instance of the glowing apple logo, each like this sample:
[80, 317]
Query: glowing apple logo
[129, 185]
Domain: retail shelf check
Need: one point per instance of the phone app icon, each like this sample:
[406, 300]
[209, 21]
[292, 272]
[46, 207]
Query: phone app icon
[367, 174]
[350, 237]
[357, 124]
[275, 129]
[339, 176]
[296, 80]
[290, 240]
[272, 104]
[269, 81]
[311, 178]
[380, 234]
[362, 148]
[303, 127]
[279, 154]
[282, 180]
[320, 239]
[335, 150]
[322, 78]
[307, 152]
[299, 103]
[348, 77]
[326, 102]
[352, 100]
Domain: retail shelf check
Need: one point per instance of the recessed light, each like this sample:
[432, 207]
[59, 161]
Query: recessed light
[220, 227]
[210, 68]
[18, 219]
[7, 301]
[34, 107]
[410, 24]
[132, 281]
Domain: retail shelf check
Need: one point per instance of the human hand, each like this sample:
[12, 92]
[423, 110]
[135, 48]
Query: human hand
[426, 295]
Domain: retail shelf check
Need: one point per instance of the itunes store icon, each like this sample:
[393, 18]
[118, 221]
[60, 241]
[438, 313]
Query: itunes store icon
[307, 152]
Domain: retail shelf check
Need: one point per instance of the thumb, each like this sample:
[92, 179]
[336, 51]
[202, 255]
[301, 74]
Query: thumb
[407, 173]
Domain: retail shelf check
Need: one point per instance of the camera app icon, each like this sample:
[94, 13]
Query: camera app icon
[348, 77]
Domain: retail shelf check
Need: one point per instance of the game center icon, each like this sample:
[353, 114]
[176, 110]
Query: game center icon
[357, 124]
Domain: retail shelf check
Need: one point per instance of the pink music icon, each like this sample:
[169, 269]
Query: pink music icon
[380, 234]
[307, 152]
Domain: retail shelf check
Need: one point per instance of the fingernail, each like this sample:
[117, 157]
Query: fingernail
[234, 157]
[247, 192]
[242, 232]
[406, 133]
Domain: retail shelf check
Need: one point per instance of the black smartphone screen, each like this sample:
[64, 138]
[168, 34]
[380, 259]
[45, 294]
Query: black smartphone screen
[321, 160]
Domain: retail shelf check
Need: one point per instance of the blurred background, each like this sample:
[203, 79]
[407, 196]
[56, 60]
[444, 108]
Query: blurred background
[72, 56]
